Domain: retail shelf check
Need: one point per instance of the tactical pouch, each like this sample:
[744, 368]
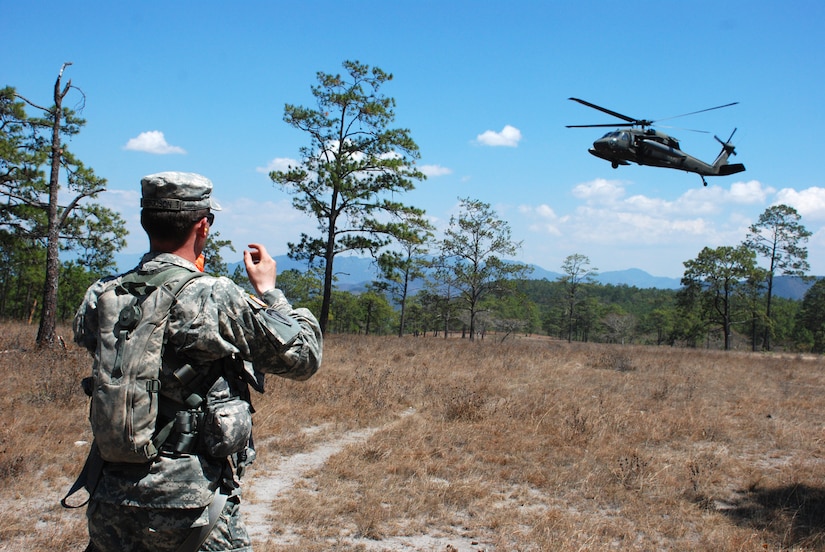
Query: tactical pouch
[227, 427]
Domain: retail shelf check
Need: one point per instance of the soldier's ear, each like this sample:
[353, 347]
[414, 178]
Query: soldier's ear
[202, 227]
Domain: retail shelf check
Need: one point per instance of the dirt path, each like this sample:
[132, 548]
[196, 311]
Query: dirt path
[269, 485]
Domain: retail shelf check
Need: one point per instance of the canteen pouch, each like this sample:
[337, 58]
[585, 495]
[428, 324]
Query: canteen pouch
[227, 427]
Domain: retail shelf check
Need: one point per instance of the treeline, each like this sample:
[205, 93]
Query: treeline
[23, 276]
[627, 314]
[602, 313]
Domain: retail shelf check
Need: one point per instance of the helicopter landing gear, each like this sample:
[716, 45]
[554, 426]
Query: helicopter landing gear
[614, 165]
[704, 182]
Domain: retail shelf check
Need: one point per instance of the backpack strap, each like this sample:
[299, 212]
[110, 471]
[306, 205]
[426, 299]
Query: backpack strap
[139, 282]
[88, 478]
[157, 280]
[199, 534]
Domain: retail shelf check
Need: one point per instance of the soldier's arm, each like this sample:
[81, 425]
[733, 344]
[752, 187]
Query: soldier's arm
[295, 332]
[214, 318]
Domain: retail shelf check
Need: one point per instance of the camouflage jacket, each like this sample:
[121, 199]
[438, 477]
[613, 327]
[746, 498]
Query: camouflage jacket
[213, 320]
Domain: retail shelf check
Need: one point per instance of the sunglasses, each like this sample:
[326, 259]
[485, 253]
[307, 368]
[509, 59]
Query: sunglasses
[210, 218]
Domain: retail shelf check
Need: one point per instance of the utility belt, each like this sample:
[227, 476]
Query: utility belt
[222, 428]
[218, 427]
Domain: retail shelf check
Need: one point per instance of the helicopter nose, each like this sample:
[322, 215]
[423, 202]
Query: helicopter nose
[604, 144]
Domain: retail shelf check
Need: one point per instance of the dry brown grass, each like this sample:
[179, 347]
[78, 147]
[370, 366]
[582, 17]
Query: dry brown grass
[525, 445]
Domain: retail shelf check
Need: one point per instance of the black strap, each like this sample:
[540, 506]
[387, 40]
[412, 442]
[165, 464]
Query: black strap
[199, 534]
[89, 476]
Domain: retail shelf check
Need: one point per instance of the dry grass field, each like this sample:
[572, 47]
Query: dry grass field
[446, 445]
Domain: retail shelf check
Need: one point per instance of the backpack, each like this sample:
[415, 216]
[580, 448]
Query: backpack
[133, 314]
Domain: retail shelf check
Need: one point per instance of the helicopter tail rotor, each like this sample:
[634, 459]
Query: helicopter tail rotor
[726, 145]
[721, 164]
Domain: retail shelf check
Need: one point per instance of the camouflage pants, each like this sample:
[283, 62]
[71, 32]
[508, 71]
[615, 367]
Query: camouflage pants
[115, 528]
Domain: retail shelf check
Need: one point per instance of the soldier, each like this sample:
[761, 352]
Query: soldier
[218, 340]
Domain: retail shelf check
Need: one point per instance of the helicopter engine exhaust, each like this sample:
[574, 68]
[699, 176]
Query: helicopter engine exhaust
[661, 151]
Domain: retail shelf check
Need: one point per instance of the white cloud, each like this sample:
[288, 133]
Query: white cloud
[599, 190]
[695, 227]
[749, 193]
[645, 204]
[817, 239]
[606, 215]
[546, 228]
[716, 199]
[701, 201]
[543, 219]
[542, 211]
[435, 170]
[653, 232]
[545, 211]
[809, 203]
[152, 141]
[278, 164]
[509, 136]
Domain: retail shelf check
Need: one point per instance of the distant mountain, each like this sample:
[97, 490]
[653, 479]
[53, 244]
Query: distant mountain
[541, 274]
[638, 278]
[787, 287]
[791, 287]
[354, 273]
[630, 277]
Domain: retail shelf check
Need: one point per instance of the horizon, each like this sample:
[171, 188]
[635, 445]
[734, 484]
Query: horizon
[127, 261]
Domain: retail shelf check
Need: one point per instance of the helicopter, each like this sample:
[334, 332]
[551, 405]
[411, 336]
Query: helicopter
[647, 146]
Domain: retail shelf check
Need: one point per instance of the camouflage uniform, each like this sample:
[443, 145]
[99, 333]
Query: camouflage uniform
[153, 506]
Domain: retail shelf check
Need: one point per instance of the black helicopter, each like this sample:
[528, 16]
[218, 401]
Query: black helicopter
[648, 146]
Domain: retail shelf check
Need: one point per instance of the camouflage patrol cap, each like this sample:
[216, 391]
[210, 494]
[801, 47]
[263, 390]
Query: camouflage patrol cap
[177, 191]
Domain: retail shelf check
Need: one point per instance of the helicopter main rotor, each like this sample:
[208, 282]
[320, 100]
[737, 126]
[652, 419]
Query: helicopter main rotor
[630, 121]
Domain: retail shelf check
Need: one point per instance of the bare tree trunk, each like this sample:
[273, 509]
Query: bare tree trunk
[323, 318]
[403, 303]
[46, 331]
[766, 344]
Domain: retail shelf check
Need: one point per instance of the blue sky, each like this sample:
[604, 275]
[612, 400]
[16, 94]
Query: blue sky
[481, 85]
